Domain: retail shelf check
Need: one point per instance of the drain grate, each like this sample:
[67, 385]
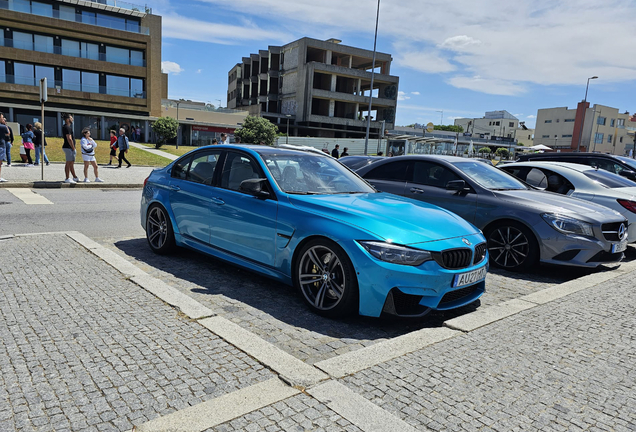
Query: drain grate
[5, 202]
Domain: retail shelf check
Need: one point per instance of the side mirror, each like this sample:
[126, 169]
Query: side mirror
[629, 174]
[254, 187]
[457, 185]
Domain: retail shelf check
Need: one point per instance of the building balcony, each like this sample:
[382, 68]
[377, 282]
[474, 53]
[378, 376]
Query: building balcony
[351, 98]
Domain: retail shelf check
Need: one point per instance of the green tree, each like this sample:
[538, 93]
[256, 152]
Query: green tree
[257, 129]
[166, 128]
[484, 150]
[449, 128]
[503, 152]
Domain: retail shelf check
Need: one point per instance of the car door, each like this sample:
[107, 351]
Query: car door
[389, 177]
[242, 223]
[191, 194]
[427, 182]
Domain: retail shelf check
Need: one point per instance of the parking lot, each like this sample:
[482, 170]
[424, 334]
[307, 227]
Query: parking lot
[276, 313]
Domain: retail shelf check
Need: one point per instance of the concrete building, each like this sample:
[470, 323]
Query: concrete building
[604, 129]
[102, 60]
[493, 125]
[524, 135]
[321, 87]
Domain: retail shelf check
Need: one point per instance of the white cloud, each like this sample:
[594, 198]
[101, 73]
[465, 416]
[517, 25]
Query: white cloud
[415, 93]
[179, 27]
[403, 96]
[199, 71]
[508, 45]
[484, 85]
[170, 67]
[531, 117]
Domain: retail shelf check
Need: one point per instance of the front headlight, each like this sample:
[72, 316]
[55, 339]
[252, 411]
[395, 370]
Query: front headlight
[568, 225]
[396, 254]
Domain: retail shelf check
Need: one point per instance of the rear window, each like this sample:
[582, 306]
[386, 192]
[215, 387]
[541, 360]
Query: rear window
[608, 179]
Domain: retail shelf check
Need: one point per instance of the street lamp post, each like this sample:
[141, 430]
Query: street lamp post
[578, 146]
[178, 125]
[287, 137]
[375, 40]
[441, 121]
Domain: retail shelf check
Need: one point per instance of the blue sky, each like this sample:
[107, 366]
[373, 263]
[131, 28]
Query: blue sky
[463, 57]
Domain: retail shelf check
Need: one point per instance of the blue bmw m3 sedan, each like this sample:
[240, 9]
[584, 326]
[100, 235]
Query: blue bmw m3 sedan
[306, 220]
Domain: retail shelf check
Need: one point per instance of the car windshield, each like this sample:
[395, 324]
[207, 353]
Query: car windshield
[308, 174]
[608, 179]
[628, 161]
[488, 176]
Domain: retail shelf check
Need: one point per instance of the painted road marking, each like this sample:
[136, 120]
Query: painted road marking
[28, 196]
[217, 411]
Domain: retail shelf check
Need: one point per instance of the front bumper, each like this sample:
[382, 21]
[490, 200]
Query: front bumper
[411, 291]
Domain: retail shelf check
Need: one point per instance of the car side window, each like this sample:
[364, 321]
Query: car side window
[392, 171]
[537, 178]
[237, 168]
[606, 165]
[180, 168]
[519, 172]
[432, 174]
[202, 167]
[557, 183]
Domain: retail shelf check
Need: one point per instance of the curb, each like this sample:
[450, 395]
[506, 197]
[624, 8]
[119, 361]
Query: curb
[60, 184]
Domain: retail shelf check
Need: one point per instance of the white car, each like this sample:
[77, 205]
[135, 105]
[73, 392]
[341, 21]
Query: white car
[583, 182]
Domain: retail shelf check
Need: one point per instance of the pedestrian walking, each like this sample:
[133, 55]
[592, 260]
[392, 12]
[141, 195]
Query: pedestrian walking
[237, 140]
[4, 136]
[224, 139]
[27, 142]
[345, 152]
[37, 142]
[8, 141]
[69, 150]
[122, 144]
[335, 153]
[88, 146]
[138, 130]
[214, 141]
[113, 147]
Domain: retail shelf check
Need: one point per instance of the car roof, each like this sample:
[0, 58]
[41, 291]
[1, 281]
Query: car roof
[552, 164]
[568, 154]
[265, 149]
[446, 158]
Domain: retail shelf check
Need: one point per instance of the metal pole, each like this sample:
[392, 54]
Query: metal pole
[375, 40]
[178, 126]
[287, 137]
[578, 146]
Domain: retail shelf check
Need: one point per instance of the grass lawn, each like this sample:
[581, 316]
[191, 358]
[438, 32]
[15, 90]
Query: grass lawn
[56, 154]
[173, 149]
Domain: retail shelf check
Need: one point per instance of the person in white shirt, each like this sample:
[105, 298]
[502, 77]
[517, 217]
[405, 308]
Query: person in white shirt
[224, 139]
[88, 155]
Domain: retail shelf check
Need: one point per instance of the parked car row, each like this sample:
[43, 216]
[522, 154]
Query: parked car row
[401, 236]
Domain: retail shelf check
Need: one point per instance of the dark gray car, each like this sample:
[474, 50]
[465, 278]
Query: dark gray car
[522, 224]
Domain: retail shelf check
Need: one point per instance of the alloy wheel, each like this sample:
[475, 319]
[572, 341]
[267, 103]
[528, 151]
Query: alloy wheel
[322, 278]
[508, 246]
[157, 228]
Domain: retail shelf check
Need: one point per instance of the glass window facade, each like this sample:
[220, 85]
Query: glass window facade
[24, 73]
[117, 85]
[23, 40]
[67, 13]
[45, 72]
[43, 43]
[90, 82]
[89, 17]
[71, 80]
[90, 51]
[3, 75]
[20, 5]
[136, 58]
[43, 9]
[70, 48]
[117, 55]
[136, 88]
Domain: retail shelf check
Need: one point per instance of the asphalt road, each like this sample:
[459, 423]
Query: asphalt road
[97, 213]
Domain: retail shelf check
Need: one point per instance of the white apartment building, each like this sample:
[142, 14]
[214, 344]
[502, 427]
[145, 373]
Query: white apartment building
[604, 129]
[492, 125]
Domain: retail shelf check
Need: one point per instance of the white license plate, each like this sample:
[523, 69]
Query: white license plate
[469, 278]
[619, 247]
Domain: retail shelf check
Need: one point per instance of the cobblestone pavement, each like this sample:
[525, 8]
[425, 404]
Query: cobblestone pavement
[567, 365]
[296, 414]
[83, 349]
[276, 312]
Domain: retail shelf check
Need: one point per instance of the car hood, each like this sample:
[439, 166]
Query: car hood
[548, 202]
[390, 217]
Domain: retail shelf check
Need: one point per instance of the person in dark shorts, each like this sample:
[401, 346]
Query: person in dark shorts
[69, 150]
[113, 146]
[122, 143]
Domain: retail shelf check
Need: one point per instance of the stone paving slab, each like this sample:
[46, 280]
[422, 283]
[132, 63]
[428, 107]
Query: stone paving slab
[23, 175]
[276, 313]
[565, 366]
[83, 349]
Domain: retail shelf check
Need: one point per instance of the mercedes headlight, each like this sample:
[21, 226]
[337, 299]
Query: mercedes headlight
[568, 225]
[396, 254]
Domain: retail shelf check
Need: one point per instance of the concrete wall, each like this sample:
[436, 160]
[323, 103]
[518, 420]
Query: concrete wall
[356, 146]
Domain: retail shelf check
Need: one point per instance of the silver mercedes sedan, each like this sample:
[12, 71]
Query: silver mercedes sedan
[523, 225]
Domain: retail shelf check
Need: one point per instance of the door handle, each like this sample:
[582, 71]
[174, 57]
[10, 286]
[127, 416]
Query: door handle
[218, 201]
[175, 188]
[417, 190]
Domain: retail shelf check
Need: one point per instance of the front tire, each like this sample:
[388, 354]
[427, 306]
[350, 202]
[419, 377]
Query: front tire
[326, 279]
[512, 246]
[159, 231]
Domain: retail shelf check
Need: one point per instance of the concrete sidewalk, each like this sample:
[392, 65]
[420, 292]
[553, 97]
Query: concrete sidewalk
[19, 175]
[155, 151]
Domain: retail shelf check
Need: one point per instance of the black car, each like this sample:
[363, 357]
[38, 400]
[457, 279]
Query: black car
[357, 162]
[620, 165]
